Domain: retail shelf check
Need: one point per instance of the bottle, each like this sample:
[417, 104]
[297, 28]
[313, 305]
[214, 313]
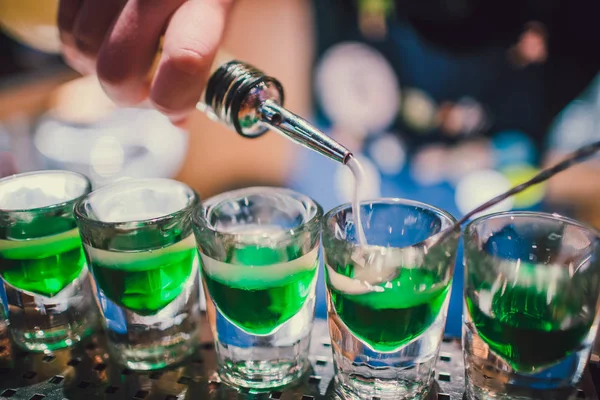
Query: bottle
[251, 102]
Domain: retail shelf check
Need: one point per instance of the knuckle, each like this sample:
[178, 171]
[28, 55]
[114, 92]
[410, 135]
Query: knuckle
[190, 60]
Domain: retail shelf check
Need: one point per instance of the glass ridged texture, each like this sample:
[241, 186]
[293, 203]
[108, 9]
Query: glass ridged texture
[387, 300]
[138, 239]
[259, 251]
[48, 294]
[531, 292]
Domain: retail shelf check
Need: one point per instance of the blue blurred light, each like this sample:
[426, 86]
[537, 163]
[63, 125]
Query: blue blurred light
[513, 147]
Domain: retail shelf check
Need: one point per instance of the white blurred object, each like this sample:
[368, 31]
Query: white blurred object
[357, 87]
[136, 143]
[473, 115]
[344, 182]
[480, 186]
[429, 164]
[389, 153]
[467, 157]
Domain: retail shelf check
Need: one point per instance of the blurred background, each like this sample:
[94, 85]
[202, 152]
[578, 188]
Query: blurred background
[447, 102]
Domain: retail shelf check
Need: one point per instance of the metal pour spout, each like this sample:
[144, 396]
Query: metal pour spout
[301, 131]
[250, 102]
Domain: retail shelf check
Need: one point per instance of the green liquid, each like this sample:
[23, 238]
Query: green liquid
[42, 266]
[255, 300]
[143, 282]
[389, 319]
[525, 331]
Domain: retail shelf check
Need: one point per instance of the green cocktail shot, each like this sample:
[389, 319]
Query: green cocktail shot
[144, 281]
[532, 286]
[259, 250]
[257, 288]
[138, 240]
[49, 300]
[388, 294]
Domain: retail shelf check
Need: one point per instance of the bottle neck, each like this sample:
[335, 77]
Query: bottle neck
[234, 94]
[250, 102]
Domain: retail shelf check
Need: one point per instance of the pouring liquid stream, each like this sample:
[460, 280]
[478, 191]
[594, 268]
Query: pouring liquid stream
[359, 180]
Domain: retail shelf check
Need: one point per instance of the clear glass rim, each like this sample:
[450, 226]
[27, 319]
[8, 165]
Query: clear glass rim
[85, 191]
[391, 201]
[534, 214]
[200, 216]
[81, 214]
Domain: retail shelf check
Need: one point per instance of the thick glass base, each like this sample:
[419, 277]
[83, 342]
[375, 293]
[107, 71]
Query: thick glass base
[475, 392]
[410, 381]
[149, 342]
[363, 373]
[490, 377]
[39, 323]
[173, 350]
[52, 339]
[267, 361]
[264, 374]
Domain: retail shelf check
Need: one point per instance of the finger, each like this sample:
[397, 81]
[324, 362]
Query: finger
[128, 51]
[93, 22]
[78, 61]
[67, 12]
[190, 44]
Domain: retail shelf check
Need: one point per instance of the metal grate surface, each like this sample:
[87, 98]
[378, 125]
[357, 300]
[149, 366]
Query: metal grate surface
[85, 372]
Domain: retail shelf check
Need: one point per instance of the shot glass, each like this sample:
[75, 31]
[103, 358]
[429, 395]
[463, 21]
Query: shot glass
[259, 250]
[532, 285]
[388, 300]
[47, 297]
[139, 243]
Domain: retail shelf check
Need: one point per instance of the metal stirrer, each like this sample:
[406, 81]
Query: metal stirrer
[574, 158]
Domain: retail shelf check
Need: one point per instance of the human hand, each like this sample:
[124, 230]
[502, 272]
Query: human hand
[119, 39]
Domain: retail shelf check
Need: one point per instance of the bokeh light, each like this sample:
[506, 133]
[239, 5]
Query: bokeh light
[480, 186]
[513, 147]
[389, 153]
[518, 174]
[358, 87]
[467, 157]
[419, 110]
[429, 164]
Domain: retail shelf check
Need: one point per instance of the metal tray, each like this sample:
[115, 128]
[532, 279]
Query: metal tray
[86, 372]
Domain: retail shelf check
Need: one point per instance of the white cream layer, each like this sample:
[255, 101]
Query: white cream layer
[119, 259]
[33, 248]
